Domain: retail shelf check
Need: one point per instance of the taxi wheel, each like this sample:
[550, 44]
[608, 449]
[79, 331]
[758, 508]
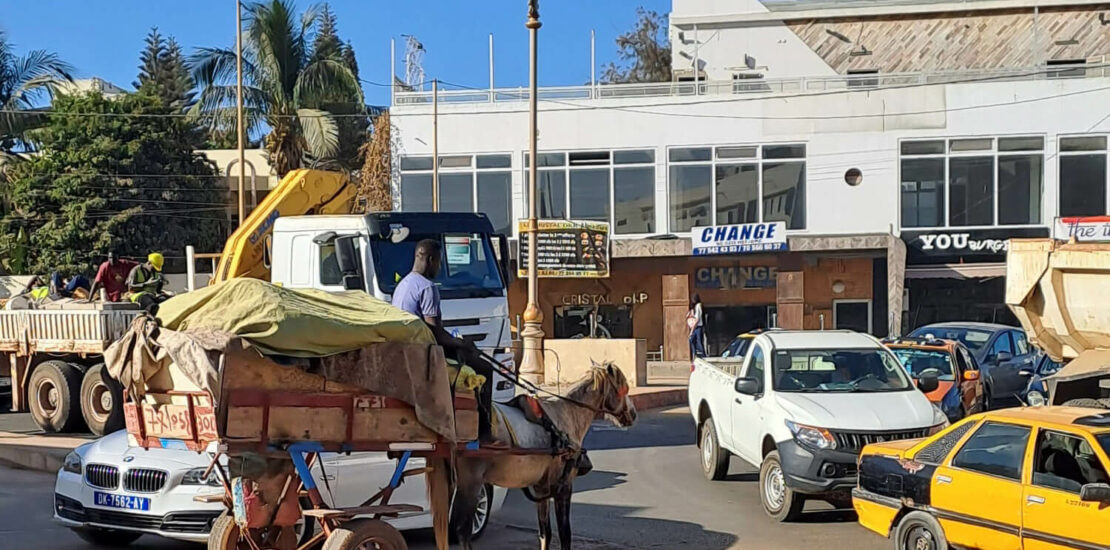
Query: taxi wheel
[714, 459]
[919, 531]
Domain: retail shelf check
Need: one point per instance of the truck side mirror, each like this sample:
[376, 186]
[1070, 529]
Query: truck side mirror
[748, 386]
[503, 253]
[349, 263]
[1095, 492]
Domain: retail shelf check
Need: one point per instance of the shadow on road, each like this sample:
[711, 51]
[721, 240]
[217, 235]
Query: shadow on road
[652, 429]
[599, 479]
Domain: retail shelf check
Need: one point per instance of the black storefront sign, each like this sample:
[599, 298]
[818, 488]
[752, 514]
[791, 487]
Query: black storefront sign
[954, 245]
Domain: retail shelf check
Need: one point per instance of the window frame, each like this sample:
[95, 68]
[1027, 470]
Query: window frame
[1092, 442]
[1104, 153]
[758, 161]
[750, 360]
[950, 461]
[994, 154]
[471, 169]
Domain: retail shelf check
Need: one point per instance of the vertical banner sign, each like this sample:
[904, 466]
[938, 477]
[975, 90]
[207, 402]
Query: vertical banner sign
[738, 239]
[567, 249]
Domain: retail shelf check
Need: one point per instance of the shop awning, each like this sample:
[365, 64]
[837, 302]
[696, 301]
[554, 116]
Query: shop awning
[956, 271]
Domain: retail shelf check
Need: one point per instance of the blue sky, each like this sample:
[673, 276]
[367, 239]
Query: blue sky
[103, 37]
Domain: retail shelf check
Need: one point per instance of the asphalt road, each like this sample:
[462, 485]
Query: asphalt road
[646, 492]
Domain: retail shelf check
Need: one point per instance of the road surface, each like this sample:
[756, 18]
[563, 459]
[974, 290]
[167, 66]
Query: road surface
[646, 492]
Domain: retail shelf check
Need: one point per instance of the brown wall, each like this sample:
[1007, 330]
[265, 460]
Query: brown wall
[637, 276]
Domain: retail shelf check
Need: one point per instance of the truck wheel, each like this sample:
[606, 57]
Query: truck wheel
[101, 401]
[107, 537]
[365, 533]
[919, 531]
[779, 501]
[54, 390]
[1086, 402]
[714, 459]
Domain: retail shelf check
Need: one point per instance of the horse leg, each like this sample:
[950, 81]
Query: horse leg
[543, 511]
[465, 504]
[562, 516]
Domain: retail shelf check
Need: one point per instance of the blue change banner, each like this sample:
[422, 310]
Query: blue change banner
[739, 239]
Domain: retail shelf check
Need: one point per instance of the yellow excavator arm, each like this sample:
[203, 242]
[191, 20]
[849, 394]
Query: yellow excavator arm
[300, 193]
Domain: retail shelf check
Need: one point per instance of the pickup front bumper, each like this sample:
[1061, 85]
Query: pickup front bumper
[812, 471]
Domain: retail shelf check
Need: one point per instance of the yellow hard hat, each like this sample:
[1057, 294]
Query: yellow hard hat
[156, 260]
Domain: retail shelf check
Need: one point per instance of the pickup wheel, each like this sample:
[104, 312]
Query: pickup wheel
[54, 390]
[779, 501]
[919, 531]
[714, 459]
[101, 401]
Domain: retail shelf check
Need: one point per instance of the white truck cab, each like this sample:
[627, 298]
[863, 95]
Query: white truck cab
[801, 407]
[373, 252]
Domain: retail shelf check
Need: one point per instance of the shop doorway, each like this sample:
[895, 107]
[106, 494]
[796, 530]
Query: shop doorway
[723, 323]
[942, 300]
[852, 315]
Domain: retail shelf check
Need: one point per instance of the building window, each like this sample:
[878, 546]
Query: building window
[611, 186]
[972, 182]
[1083, 176]
[467, 183]
[737, 184]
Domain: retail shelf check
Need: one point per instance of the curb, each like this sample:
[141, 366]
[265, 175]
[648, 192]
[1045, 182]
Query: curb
[38, 453]
[655, 400]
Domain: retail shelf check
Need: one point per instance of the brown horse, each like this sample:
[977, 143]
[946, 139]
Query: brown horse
[603, 392]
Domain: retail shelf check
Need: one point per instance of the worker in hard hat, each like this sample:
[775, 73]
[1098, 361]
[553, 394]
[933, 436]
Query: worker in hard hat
[145, 281]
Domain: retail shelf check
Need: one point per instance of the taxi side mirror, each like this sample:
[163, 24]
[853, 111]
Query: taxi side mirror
[1095, 492]
[971, 375]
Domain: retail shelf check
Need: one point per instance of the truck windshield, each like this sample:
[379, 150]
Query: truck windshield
[468, 269]
[848, 370]
[918, 361]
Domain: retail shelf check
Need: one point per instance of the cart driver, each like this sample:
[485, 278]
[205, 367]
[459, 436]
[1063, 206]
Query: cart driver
[417, 294]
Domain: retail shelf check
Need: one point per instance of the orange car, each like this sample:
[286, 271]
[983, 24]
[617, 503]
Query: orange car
[960, 390]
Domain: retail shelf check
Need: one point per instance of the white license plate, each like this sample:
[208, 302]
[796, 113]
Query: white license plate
[125, 502]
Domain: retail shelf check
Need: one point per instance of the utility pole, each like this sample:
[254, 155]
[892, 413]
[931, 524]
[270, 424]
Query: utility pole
[435, 145]
[239, 107]
[531, 361]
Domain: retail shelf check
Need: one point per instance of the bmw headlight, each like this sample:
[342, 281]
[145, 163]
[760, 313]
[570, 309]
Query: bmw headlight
[72, 463]
[810, 436]
[196, 477]
[1036, 399]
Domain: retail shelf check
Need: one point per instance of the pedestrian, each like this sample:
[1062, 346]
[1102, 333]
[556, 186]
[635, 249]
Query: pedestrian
[695, 321]
[145, 282]
[112, 277]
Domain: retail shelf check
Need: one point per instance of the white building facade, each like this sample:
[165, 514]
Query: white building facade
[919, 134]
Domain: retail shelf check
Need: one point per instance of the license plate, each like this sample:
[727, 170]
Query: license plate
[125, 502]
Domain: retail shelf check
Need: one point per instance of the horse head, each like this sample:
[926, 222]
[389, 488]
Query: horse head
[611, 384]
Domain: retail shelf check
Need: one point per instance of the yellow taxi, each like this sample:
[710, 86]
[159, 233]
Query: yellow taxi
[1028, 478]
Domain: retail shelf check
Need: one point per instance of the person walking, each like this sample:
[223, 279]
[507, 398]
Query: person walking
[695, 321]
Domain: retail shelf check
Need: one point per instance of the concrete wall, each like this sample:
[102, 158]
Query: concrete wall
[567, 361]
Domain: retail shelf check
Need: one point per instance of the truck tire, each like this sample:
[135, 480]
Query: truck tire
[1088, 403]
[714, 459]
[101, 401]
[365, 533]
[53, 394]
[779, 501]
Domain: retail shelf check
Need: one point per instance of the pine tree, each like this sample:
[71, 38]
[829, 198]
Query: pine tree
[162, 70]
[327, 44]
[150, 59]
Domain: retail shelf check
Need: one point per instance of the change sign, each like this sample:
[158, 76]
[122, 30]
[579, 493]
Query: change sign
[568, 249]
[739, 239]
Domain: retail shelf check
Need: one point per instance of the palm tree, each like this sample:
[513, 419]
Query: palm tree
[23, 82]
[284, 85]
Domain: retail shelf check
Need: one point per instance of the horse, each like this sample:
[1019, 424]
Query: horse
[603, 392]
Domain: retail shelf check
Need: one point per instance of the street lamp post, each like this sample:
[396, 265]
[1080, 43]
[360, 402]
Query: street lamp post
[531, 364]
[239, 106]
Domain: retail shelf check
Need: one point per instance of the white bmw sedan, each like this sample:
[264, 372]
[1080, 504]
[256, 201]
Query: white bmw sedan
[110, 494]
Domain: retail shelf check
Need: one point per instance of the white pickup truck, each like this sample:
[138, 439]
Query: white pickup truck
[800, 405]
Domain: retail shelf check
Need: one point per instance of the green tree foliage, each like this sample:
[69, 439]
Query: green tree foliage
[644, 51]
[353, 128]
[286, 87]
[24, 82]
[114, 181]
[162, 69]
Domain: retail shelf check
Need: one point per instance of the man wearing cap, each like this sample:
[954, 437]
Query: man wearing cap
[112, 277]
[145, 282]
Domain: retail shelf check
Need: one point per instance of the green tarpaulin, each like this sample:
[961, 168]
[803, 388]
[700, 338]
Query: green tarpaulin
[300, 323]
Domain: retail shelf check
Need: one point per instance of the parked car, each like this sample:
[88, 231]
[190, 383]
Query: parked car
[111, 494]
[959, 390]
[1036, 393]
[803, 405]
[739, 345]
[1033, 477]
[1001, 352]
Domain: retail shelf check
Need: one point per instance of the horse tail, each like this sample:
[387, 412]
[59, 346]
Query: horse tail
[438, 480]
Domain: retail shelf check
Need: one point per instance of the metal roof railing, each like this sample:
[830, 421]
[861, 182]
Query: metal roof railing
[755, 86]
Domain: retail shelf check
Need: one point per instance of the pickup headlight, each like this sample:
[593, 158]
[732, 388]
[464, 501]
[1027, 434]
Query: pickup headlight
[196, 477]
[940, 421]
[72, 463]
[810, 436]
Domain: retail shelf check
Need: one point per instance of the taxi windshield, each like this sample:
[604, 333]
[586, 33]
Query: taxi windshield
[918, 361]
[974, 339]
[1104, 440]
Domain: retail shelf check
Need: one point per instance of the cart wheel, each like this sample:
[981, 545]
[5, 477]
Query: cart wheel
[54, 390]
[365, 534]
[225, 534]
[101, 401]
